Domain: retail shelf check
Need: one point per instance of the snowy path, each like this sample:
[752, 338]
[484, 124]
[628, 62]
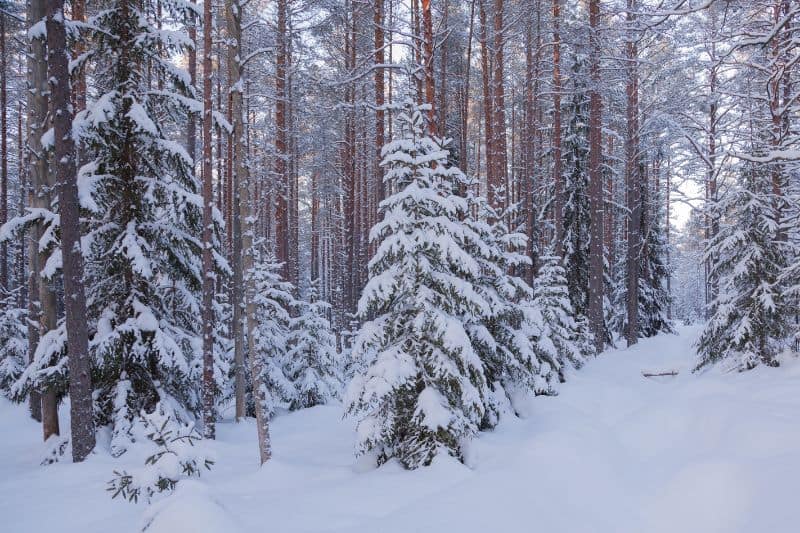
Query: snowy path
[614, 453]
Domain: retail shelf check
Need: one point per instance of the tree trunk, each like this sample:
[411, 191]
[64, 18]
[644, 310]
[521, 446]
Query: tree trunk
[209, 418]
[596, 207]
[632, 177]
[246, 198]
[282, 189]
[234, 26]
[430, 88]
[65, 162]
[379, 103]
[487, 108]
[499, 105]
[42, 185]
[3, 153]
[558, 179]
[463, 157]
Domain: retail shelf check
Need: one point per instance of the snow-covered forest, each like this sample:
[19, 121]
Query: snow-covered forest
[399, 265]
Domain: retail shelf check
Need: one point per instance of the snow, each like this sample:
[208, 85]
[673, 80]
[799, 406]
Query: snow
[614, 452]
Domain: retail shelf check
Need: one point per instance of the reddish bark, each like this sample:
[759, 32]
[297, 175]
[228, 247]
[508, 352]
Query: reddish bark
[209, 418]
[558, 207]
[596, 207]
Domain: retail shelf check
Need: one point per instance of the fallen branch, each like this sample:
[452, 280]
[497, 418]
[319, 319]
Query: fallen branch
[659, 374]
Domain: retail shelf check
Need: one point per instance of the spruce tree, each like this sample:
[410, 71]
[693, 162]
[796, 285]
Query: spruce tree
[504, 334]
[312, 360]
[13, 345]
[654, 298]
[143, 242]
[273, 303]
[422, 393]
[563, 336]
[750, 320]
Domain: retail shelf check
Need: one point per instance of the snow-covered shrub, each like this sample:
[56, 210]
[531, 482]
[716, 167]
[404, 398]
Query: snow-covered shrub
[176, 453]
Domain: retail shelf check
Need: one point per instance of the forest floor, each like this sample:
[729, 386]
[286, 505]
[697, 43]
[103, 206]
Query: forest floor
[615, 452]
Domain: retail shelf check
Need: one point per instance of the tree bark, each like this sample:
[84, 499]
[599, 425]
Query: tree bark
[596, 207]
[488, 117]
[427, 51]
[632, 177]
[558, 207]
[43, 184]
[209, 419]
[463, 157]
[499, 106]
[282, 188]
[65, 163]
[234, 26]
[3, 153]
[379, 103]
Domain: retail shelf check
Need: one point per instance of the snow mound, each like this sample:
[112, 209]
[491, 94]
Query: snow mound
[190, 509]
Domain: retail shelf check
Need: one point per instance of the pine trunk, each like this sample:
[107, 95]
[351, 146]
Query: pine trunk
[65, 167]
[596, 208]
[499, 107]
[3, 152]
[42, 185]
[632, 178]
[234, 26]
[558, 179]
[209, 419]
[282, 188]
[488, 117]
[427, 59]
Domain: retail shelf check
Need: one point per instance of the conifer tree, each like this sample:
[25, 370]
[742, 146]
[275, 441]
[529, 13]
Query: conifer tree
[144, 234]
[749, 322]
[13, 344]
[576, 198]
[312, 361]
[563, 336]
[423, 391]
[504, 334]
[654, 298]
[273, 301]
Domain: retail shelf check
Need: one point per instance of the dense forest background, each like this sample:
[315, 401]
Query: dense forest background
[252, 204]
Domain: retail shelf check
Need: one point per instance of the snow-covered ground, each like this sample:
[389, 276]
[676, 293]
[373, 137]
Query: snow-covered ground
[615, 452]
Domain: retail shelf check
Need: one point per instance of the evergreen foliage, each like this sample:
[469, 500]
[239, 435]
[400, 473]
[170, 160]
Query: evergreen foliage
[563, 338]
[423, 392]
[312, 360]
[143, 241]
[13, 345]
[576, 186]
[654, 298]
[273, 302]
[750, 320]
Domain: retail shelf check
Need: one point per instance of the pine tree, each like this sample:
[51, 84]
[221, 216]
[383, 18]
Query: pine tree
[423, 391]
[144, 234]
[312, 361]
[273, 301]
[563, 336]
